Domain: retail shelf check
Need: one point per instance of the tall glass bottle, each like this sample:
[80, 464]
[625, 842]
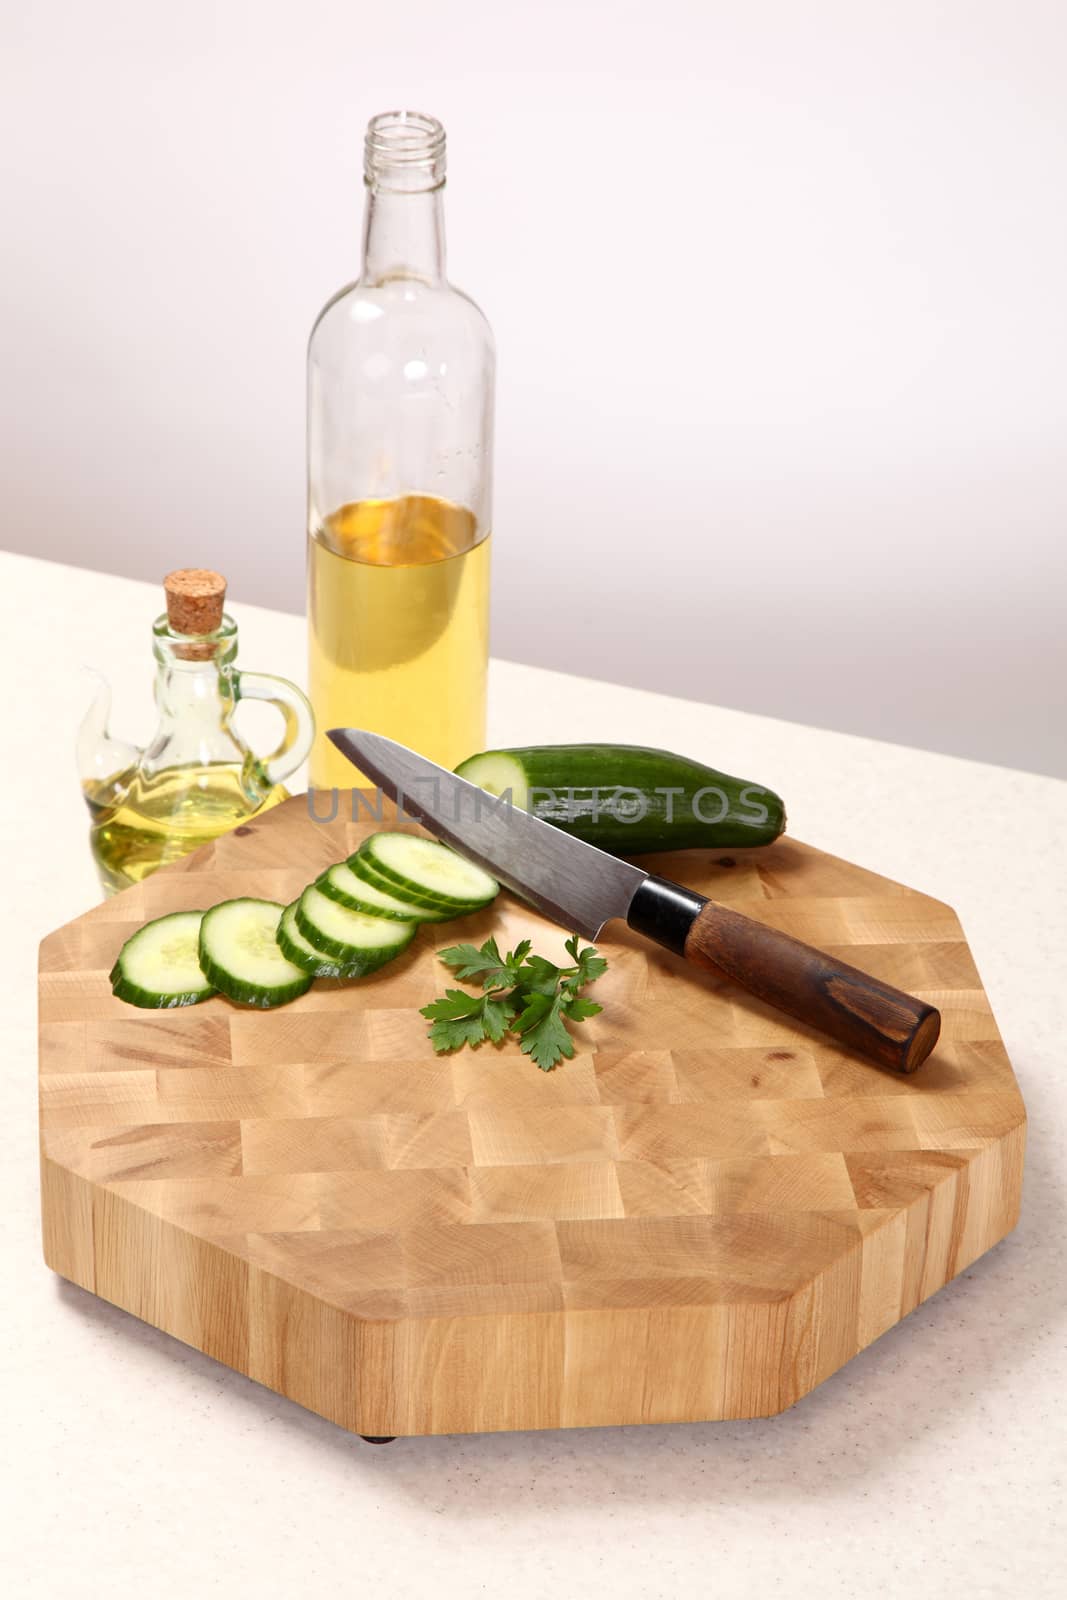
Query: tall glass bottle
[400, 442]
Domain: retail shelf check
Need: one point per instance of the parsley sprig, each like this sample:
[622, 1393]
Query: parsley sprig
[521, 993]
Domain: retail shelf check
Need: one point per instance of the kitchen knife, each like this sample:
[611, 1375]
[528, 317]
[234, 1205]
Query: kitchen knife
[581, 887]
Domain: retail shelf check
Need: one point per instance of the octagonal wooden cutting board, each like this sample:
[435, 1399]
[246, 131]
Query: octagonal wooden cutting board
[702, 1215]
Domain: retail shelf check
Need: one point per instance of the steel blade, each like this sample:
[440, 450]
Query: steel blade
[570, 881]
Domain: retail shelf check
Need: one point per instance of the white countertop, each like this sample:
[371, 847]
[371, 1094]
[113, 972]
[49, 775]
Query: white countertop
[932, 1465]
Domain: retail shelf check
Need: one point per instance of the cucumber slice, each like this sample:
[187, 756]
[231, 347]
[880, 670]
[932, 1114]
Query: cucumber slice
[363, 867]
[340, 883]
[239, 952]
[295, 948]
[159, 967]
[429, 906]
[427, 872]
[361, 943]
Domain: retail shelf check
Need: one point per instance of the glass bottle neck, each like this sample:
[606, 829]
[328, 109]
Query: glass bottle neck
[194, 673]
[187, 687]
[403, 236]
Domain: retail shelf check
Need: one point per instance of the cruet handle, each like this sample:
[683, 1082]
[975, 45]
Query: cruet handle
[294, 706]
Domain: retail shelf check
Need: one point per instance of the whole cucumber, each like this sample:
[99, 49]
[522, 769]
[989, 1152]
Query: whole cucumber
[629, 799]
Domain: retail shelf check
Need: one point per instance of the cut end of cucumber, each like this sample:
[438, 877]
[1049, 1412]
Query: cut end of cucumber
[159, 967]
[497, 773]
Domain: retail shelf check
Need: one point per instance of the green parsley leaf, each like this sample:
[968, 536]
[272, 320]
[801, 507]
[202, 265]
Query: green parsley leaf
[577, 1007]
[457, 1020]
[494, 970]
[539, 976]
[523, 994]
[591, 965]
[546, 1040]
[496, 1016]
[536, 1008]
[460, 1019]
[467, 960]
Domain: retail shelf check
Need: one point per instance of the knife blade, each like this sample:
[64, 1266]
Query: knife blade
[583, 888]
[527, 855]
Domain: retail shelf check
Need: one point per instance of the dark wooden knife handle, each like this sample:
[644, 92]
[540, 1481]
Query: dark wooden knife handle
[893, 1028]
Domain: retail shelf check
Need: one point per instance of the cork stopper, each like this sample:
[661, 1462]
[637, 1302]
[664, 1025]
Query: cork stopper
[194, 599]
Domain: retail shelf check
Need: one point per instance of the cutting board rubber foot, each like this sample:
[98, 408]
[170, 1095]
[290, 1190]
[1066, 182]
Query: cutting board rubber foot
[376, 1438]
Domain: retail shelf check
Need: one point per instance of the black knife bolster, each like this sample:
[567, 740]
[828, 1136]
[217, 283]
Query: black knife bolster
[665, 912]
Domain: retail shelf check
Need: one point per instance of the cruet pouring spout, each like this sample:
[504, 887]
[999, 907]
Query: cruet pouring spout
[105, 764]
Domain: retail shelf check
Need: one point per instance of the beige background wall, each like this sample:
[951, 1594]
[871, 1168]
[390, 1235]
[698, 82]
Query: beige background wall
[779, 292]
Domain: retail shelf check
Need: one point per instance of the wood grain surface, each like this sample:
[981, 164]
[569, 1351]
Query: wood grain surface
[704, 1214]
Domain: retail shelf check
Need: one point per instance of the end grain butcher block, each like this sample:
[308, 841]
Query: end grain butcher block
[703, 1214]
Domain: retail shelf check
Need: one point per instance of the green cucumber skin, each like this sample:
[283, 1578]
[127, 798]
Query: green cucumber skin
[325, 968]
[122, 989]
[669, 822]
[356, 965]
[244, 994]
[371, 872]
[330, 890]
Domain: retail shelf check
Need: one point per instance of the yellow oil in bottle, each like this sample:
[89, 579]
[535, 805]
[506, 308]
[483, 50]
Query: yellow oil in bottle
[141, 822]
[398, 623]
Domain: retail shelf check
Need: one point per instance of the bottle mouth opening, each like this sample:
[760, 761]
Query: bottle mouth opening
[404, 150]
